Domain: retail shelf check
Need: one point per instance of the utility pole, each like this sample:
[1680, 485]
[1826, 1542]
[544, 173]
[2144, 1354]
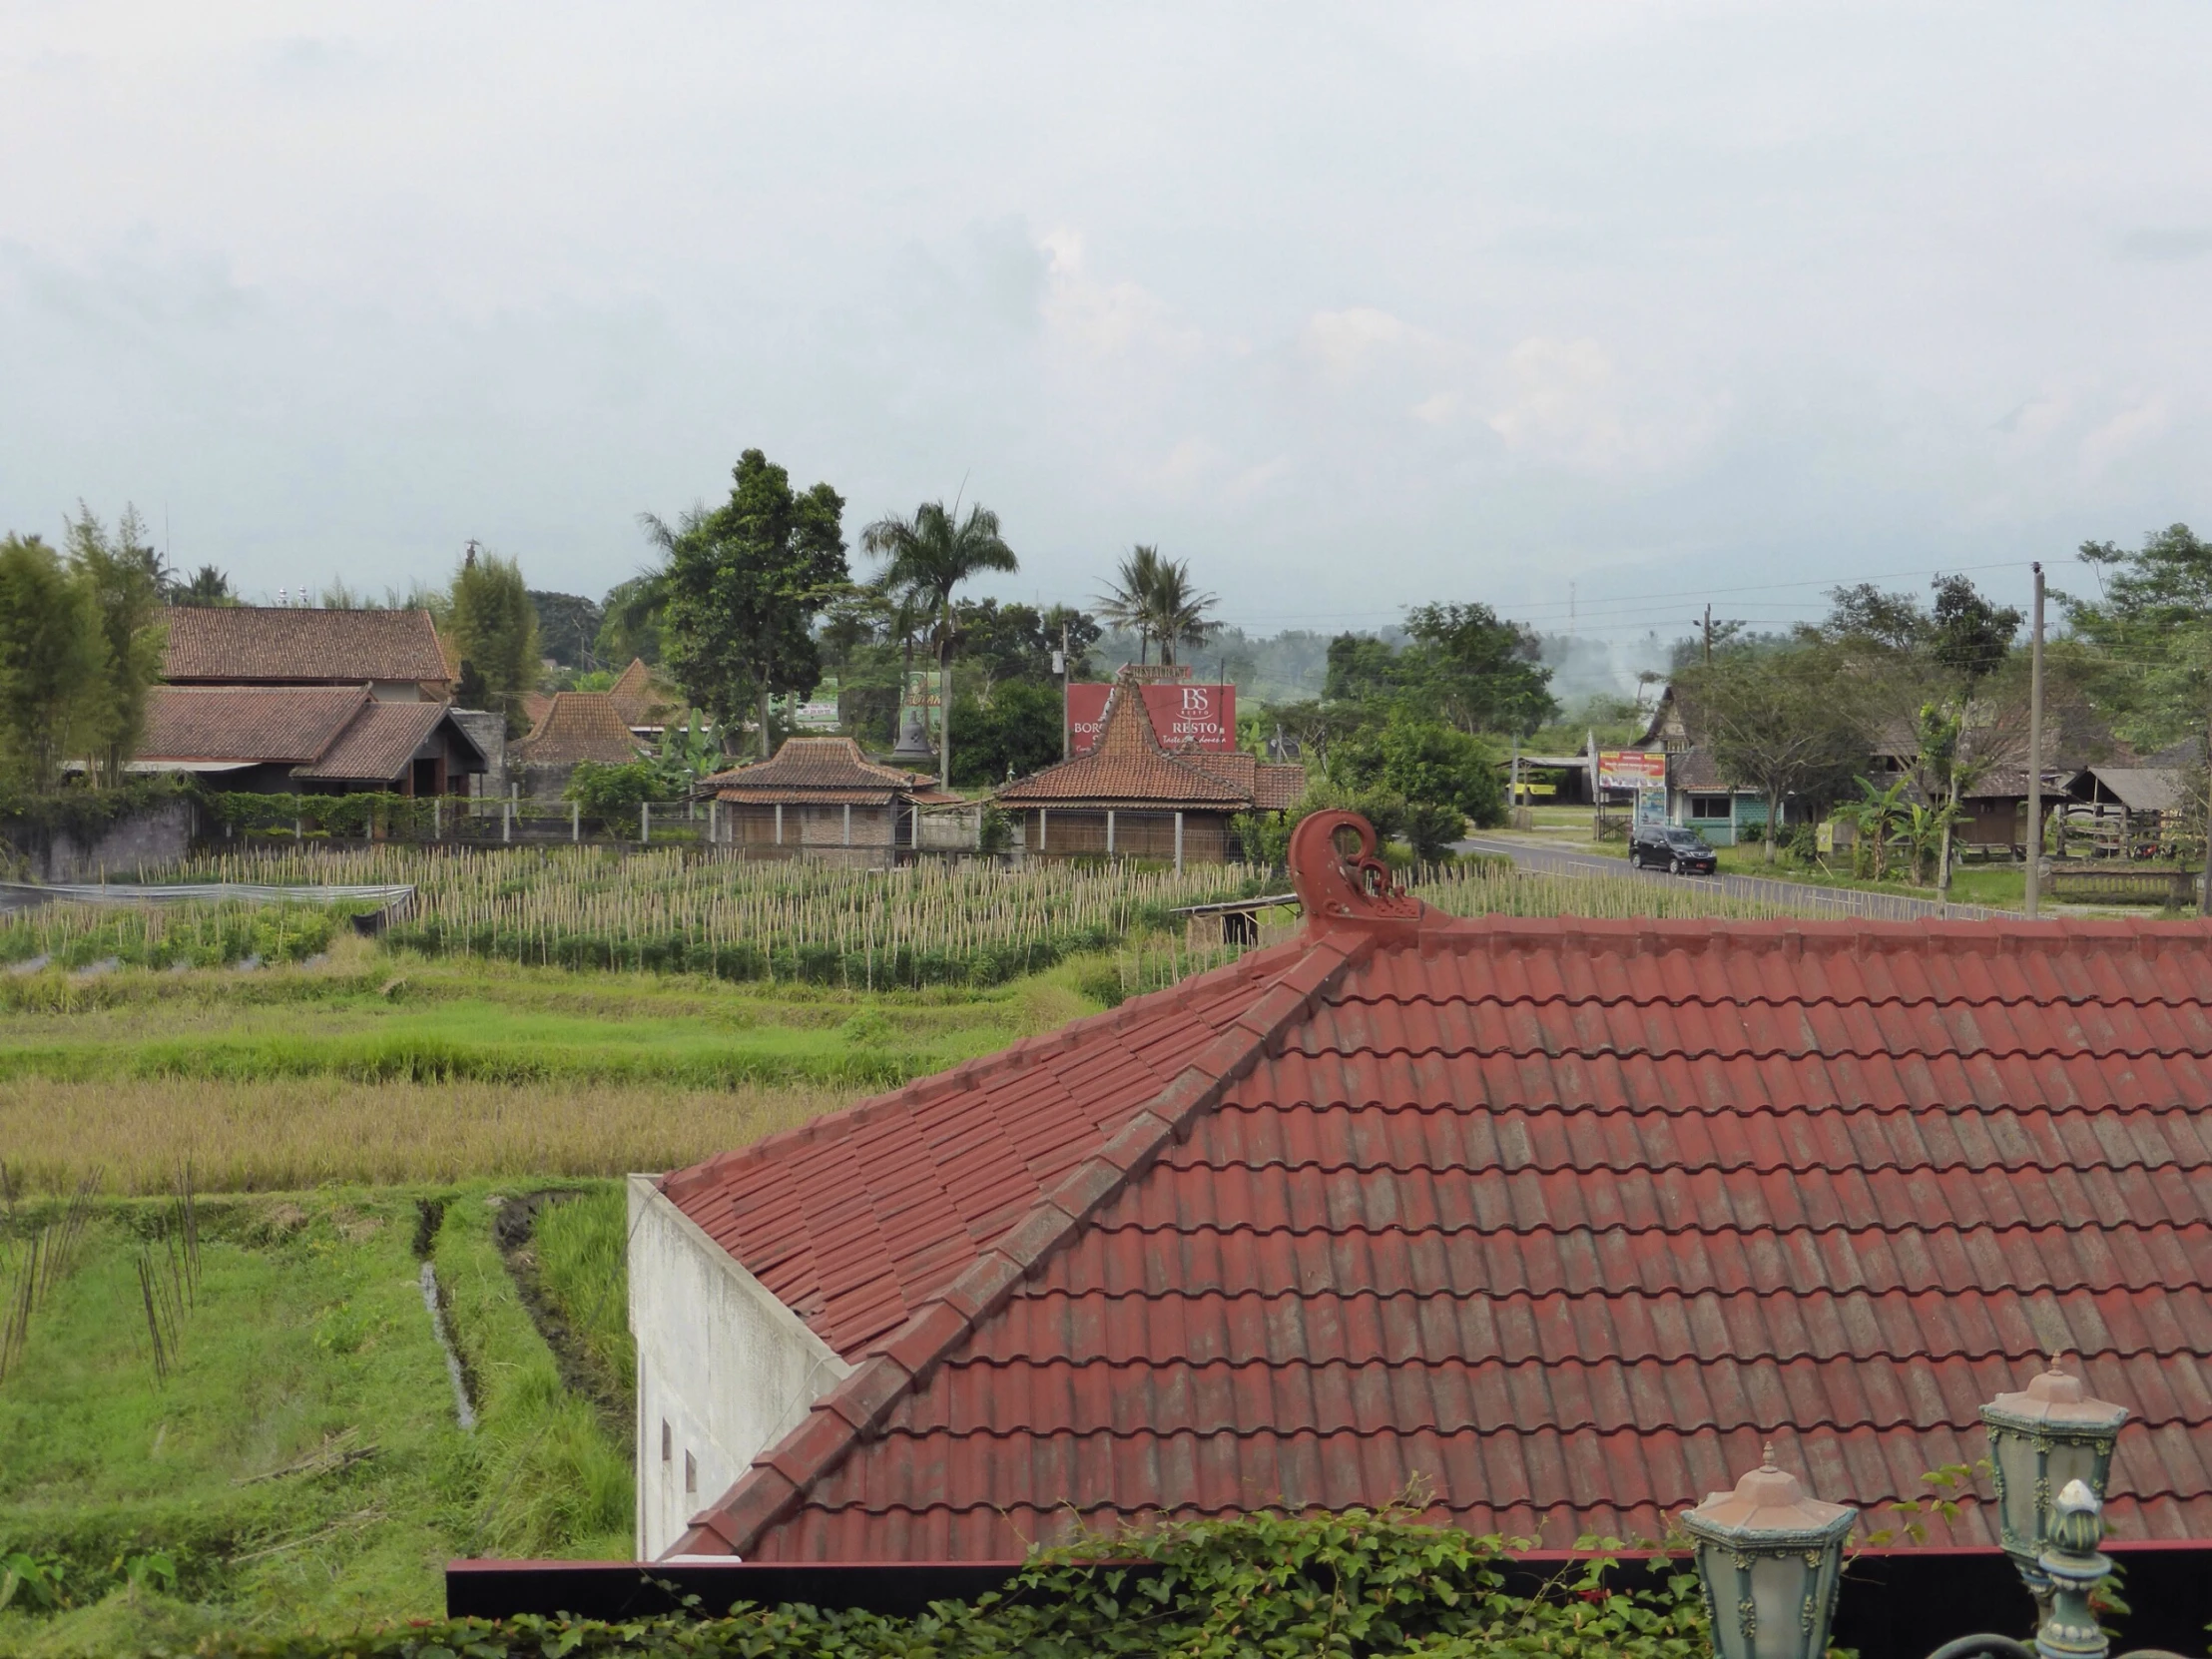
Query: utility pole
[1068, 741]
[2036, 751]
[1708, 636]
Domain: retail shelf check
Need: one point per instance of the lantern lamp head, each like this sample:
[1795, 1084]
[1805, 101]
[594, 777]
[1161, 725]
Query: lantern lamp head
[1770, 1559]
[2050, 1433]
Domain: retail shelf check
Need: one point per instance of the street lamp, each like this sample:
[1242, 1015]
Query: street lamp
[2051, 1433]
[1770, 1559]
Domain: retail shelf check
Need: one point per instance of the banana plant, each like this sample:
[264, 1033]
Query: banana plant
[1876, 816]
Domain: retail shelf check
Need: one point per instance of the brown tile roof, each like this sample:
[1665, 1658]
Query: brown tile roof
[249, 723]
[641, 700]
[534, 705]
[1128, 768]
[281, 645]
[830, 770]
[1277, 789]
[379, 743]
[580, 725]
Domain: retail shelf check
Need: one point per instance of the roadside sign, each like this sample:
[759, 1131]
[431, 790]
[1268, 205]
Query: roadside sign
[1185, 715]
[1651, 806]
[1632, 768]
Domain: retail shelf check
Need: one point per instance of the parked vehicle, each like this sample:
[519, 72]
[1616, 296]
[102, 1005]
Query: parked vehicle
[1670, 847]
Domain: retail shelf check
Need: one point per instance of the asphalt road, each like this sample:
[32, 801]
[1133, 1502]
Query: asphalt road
[1843, 901]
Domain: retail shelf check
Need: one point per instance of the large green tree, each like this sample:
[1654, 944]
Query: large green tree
[1784, 721]
[51, 656]
[495, 630]
[121, 577]
[1478, 671]
[742, 585]
[2148, 635]
[928, 556]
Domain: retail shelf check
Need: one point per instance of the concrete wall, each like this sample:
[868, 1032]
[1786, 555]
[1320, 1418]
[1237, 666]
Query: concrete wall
[724, 1369]
[145, 840]
[489, 727]
[950, 829]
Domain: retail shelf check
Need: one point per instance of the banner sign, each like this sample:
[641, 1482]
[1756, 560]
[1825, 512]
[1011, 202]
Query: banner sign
[1651, 808]
[1185, 716]
[1631, 769]
[819, 712]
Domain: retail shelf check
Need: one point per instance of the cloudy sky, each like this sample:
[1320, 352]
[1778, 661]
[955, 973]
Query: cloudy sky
[1623, 306]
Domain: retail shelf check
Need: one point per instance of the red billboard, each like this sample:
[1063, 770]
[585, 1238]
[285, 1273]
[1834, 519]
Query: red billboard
[1186, 716]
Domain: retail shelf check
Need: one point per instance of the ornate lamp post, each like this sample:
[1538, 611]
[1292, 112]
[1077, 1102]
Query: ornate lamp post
[1770, 1557]
[1771, 1560]
[2051, 1434]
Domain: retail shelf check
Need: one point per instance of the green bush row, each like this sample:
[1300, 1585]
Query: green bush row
[743, 960]
[1353, 1586]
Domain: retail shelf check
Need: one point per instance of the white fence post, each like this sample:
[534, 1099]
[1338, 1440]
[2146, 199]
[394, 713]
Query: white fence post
[575, 821]
[507, 820]
[645, 822]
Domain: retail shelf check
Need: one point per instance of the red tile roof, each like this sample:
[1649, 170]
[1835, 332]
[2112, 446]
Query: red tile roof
[287, 644]
[1567, 1217]
[816, 768]
[580, 725]
[1128, 768]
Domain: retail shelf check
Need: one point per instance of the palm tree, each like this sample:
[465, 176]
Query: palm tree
[1128, 602]
[928, 555]
[1176, 612]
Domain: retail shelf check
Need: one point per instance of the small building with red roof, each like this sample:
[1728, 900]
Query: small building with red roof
[1555, 1221]
[1130, 797]
[821, 795]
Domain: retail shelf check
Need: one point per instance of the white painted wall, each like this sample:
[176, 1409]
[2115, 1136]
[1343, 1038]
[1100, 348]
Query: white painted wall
[723, 1365]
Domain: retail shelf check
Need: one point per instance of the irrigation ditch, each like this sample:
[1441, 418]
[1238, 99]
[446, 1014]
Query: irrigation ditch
[583, 1373]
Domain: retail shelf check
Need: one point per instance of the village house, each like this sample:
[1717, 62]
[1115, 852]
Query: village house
[1556, 1222]
[574, 726]
[395, 654]
[1129, 796]
[821, 795]
[312, 740]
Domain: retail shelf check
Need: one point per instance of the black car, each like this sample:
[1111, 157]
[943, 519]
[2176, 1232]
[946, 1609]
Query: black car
[1664, 846]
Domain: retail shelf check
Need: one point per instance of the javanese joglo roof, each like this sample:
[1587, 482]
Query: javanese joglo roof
[1565, 1218]
[823, 770]
[580, 725]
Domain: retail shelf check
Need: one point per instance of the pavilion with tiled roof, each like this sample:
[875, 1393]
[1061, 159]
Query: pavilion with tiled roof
[576, 726]
[1128, 796]
[1558, 1220]
[817, 794]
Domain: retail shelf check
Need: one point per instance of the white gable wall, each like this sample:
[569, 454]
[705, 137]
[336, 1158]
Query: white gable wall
[724, 1369]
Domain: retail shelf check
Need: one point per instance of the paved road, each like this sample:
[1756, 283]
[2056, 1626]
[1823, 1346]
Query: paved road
[1843, 901]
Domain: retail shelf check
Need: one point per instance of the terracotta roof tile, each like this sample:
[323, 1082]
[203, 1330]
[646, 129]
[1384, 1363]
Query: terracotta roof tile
[818, 768]
[1567, 1217]
[643, 701]
[379, 741]
[281, 645]
[580, 725]
[293, 724]
[1128, 768]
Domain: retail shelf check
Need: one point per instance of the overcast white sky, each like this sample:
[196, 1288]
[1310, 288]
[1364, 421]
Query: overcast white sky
[1353, 307]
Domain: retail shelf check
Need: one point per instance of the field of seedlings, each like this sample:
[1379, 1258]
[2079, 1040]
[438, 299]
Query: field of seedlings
[83, 938]
[730, 917]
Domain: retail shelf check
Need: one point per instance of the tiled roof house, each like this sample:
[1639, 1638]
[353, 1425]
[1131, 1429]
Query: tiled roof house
[819, 793]
[574, 726]
[318, 739]
[394, 653]
[1130, 795]
[1561, 1219]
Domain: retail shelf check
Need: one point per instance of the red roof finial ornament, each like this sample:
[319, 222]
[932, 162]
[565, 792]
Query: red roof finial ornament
[1336, 886]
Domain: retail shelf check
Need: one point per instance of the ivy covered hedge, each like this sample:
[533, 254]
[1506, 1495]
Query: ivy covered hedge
[1353, 1586]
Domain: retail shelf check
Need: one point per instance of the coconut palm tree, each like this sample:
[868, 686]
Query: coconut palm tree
[930, 555]
[1176, 611]
[1127, 602]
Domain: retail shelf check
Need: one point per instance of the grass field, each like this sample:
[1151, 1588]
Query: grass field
[303, 1462]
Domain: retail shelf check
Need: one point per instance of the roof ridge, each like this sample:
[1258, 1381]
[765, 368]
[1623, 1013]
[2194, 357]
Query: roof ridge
[781, 1475]
[973, 1072]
